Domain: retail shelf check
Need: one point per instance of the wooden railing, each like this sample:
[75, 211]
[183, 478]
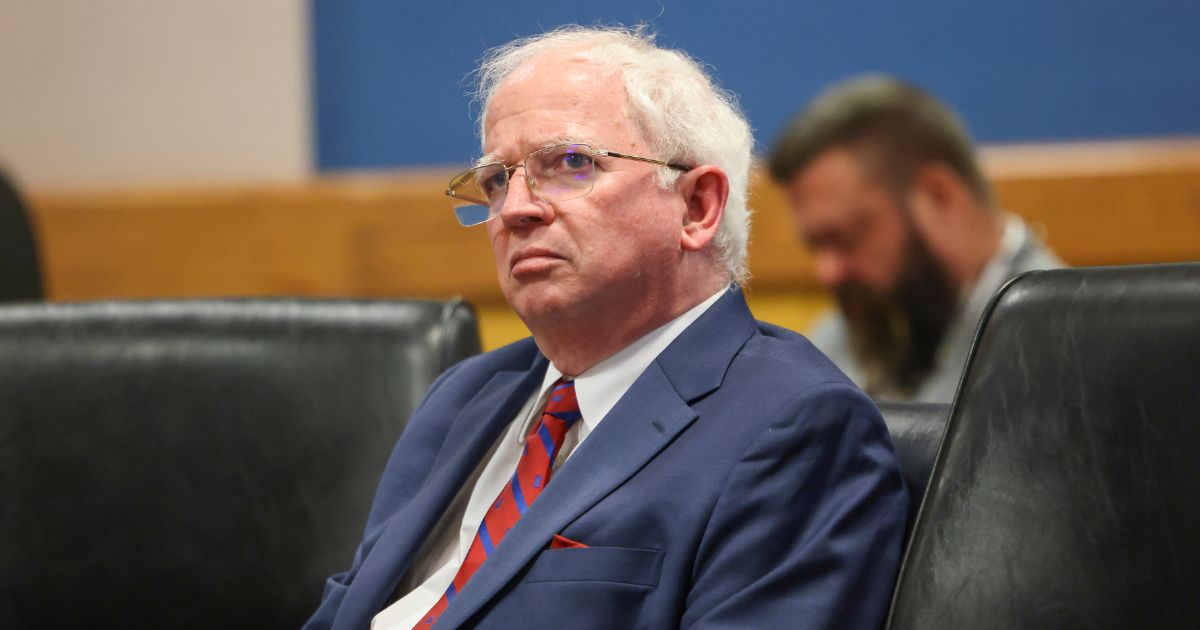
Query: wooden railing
[392, 234]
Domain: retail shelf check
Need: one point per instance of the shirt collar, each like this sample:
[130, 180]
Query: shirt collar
[997, 269]
[599, 388]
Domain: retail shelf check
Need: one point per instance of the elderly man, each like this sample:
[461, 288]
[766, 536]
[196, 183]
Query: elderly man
[885, 189]
[652, 457]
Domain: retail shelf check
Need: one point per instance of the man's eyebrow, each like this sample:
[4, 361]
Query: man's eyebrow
[488, 159]
[492, 158]
[556, 140]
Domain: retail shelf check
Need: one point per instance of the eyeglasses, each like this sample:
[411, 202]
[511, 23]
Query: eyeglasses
[554, 173]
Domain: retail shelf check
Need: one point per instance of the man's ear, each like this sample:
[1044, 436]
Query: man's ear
[705, 190]
[936, 194]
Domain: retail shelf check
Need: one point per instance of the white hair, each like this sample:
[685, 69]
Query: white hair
[680, 112]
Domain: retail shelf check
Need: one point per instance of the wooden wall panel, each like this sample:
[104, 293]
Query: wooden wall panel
[392, 234]
[362, 235]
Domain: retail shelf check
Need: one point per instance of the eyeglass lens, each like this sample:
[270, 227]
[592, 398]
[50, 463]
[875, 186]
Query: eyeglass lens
[555, 173]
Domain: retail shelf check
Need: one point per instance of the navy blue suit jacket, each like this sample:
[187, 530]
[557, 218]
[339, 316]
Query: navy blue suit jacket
[741, 482]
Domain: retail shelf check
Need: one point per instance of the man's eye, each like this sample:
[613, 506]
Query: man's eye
[494, 183]
[829, 241]
[575, 161]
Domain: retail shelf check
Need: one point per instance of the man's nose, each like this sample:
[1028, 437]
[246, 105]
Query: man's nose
[521, 206]
[833, 268]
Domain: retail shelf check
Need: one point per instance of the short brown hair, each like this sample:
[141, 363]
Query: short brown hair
[895, 126]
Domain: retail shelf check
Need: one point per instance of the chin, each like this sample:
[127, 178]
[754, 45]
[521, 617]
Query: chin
[539, 304]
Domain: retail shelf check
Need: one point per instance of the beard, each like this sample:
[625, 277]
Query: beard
[896, 335]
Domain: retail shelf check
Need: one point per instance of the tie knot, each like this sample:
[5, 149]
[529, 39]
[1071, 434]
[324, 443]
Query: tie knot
[561, 402]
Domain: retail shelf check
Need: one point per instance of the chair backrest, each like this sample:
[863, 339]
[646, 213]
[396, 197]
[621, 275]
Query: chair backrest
[199, 464]
[20, 277]
[1067, 490]
[916, 430]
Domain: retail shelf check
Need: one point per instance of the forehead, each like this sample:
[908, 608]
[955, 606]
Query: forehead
[552, 98]
[833, 187]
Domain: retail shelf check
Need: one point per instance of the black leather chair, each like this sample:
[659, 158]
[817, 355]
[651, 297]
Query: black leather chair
[916, 430]
[1067, 490]
[199, 464]
[20, 277]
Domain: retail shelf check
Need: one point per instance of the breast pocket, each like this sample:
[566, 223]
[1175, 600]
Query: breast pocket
[622, 565]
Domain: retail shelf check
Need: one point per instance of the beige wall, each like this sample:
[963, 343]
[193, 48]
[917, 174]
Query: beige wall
[153, 91]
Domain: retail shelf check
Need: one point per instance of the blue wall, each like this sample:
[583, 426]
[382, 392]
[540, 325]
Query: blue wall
[391, 77]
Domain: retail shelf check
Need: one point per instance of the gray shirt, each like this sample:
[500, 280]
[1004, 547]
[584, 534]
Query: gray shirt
[1020, 251]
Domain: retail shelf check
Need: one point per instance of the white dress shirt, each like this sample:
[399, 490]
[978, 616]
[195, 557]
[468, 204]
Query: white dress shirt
[597, 391]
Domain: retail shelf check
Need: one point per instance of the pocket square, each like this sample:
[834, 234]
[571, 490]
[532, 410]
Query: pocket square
[562, 542]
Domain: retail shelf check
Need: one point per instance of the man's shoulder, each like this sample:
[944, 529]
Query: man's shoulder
[1038, 257]
[787, 357]
[1033, 254]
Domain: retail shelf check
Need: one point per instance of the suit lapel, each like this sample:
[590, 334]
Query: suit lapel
[474, 430]
[647, 418]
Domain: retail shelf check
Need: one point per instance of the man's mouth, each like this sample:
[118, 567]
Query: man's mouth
[532, 260]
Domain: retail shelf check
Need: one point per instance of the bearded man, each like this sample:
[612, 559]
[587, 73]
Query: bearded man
[886, 192]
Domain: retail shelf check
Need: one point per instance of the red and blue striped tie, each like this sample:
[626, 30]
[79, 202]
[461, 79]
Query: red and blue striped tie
[533, 473]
